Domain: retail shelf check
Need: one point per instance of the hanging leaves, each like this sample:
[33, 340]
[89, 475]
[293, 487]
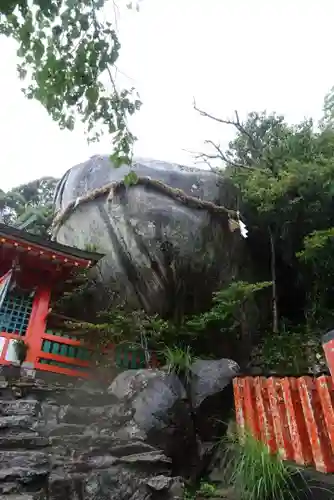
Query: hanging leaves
[68, 51]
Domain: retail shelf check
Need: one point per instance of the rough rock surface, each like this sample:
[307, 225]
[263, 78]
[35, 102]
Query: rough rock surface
[212, 396]
[82, 442]
[67, 443]
[210, 376]
[161, 412]
[149, 239]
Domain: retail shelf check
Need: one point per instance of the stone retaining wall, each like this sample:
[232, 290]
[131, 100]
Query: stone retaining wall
[62, 442]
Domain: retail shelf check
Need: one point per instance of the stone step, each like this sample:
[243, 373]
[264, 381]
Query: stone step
[62, 429]
[7, 488]
[94, 442]
[29, 407]
[28, 441]
[107, 413]
[22, 496]
[23, 459]
[18, 490]
[111, 483]
[16, 422]
[26, 474]
[72, 441]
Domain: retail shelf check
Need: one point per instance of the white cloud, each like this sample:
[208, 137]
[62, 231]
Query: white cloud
[258, 54]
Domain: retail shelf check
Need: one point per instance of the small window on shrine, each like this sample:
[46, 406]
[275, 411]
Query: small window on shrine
[15, 312]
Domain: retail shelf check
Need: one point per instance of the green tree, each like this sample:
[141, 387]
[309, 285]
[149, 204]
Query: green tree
[30, 206]
[68, 51]
[317, 257]
[230, 311]
[285, 176]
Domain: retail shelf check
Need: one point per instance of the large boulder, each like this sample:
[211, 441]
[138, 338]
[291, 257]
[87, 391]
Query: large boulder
[160, 413]
[212, 396]
[152, 242]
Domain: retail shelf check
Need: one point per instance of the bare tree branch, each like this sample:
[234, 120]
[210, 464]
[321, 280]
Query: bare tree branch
[219, 153]
[235, 123]
[203, 158]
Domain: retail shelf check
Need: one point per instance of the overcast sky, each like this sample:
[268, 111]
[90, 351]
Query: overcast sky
[228, 54]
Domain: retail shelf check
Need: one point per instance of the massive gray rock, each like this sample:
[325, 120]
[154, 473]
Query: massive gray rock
[152, 242]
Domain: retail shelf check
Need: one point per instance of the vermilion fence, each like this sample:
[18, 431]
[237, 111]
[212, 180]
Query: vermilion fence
[293, 416]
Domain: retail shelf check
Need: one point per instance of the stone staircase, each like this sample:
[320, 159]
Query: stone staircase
[24, 458]
[66, 441]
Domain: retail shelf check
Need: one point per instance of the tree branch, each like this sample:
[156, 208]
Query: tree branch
[235, 123]
[220, 154]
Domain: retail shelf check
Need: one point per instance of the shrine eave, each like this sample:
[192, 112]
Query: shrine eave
[22, 242]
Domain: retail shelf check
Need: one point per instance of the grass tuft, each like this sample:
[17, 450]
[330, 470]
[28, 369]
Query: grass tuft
[254, 472]
[178, 360]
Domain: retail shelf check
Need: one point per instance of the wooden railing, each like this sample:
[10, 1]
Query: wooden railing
[62, 354]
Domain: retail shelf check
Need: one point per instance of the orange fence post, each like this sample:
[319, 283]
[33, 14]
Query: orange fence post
[264, 414]
[326, 395]
[296, 426]
[292, 416]
[238, 385]
[312, 409]
[328, 347]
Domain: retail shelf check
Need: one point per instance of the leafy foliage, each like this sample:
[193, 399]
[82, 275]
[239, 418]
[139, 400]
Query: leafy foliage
[29, 206]
[227, 305]
[285, 176]
[317, 249]
[68, 51]
[294, 350]
[231, 316]
[205, 490]
[118, 324]
[318, 268]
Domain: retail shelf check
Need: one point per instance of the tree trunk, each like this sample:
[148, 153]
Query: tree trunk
[273, 279]
[246, 340]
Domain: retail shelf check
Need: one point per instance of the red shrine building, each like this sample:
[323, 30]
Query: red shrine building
[31, 270]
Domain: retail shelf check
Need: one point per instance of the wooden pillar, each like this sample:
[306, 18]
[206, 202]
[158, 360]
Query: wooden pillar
[37, 324]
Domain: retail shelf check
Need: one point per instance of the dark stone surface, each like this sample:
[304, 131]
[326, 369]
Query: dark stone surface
[62, 442]
[161, 413]
[209, 377]
[130, 442]
[212, 396]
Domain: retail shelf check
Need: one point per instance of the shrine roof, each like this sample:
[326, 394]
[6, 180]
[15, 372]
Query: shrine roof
[20, 240]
